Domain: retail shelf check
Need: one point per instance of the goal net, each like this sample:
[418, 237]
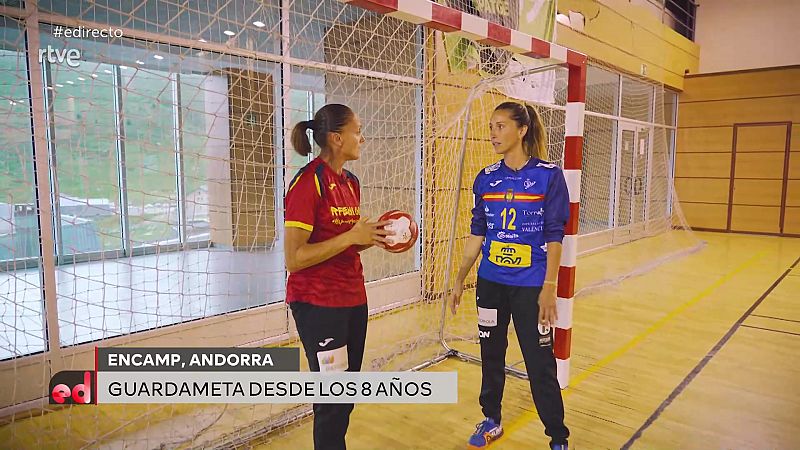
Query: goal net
[630, 221]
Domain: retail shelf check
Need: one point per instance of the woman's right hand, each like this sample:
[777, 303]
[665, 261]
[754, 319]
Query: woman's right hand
[455, 297]
[365, 232]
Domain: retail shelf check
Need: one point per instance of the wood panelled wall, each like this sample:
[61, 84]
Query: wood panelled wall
[737, 166]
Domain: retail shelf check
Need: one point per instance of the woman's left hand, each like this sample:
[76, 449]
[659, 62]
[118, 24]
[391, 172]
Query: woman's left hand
[547, 305]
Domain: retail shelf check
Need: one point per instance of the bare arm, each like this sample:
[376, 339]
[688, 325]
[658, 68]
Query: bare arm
[301, 254]
[548, 313]
[553, 262]
[472, 250]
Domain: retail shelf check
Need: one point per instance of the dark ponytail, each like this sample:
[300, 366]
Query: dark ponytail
[329, 119]
[300, 138]
[535, 140]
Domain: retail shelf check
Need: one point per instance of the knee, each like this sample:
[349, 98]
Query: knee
[543, 364]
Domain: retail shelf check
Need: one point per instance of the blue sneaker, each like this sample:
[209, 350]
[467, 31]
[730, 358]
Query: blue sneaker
[563, 446]
[486, 432]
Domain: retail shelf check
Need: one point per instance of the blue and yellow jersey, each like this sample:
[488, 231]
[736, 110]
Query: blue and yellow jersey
[518, 212]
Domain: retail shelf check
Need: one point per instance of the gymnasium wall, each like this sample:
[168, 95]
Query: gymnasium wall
[738, 151]
[745, 34]
[629, 36]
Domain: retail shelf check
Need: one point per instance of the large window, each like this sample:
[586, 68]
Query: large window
[167, 162]
[198, 106]
[615, 101]
[136, 142]
[388, 177]
[598, 174]
[21, 306]
[306, 96]
[18, 228]
[150, 156]
[602, 91]
[149, 148]
[335, 33]
[84, 149]
[637, 100]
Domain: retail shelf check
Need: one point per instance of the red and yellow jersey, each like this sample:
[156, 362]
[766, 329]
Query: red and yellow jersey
[327, 204]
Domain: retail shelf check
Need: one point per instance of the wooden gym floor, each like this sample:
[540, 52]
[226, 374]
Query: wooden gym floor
[702, 352]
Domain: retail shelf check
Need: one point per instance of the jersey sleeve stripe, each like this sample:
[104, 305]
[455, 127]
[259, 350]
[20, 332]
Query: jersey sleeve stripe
[296, 224]
[296, 179]
[299, 176]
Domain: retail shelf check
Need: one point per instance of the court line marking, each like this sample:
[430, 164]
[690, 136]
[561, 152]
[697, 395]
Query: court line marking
[770, 329]
[611, 357]
[775, 318]
[699, 367]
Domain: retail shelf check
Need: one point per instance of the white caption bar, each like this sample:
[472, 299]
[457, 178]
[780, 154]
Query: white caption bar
[277, 387]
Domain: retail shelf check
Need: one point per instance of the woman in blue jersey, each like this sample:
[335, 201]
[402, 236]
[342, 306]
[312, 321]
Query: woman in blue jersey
[521, 208]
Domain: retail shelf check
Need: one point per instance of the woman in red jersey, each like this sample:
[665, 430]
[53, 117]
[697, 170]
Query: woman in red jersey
[324, 234]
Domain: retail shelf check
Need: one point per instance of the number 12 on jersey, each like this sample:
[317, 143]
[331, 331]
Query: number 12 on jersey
[511, 215]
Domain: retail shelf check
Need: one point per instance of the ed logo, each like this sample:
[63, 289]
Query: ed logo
[72, 387]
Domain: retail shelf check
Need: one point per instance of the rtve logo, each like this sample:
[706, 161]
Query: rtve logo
[72, 387]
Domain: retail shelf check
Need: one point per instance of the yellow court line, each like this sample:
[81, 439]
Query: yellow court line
[611, 357]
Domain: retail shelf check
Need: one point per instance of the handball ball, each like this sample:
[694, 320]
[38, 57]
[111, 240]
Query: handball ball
[405, 230]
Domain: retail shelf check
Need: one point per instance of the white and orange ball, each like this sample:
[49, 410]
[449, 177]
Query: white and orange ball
[406, 231]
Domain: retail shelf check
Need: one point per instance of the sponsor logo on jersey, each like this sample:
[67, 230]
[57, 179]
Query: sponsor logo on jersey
[492, 168]
[337, 211]
[504, 235]
[536, 212]
[509, 254]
